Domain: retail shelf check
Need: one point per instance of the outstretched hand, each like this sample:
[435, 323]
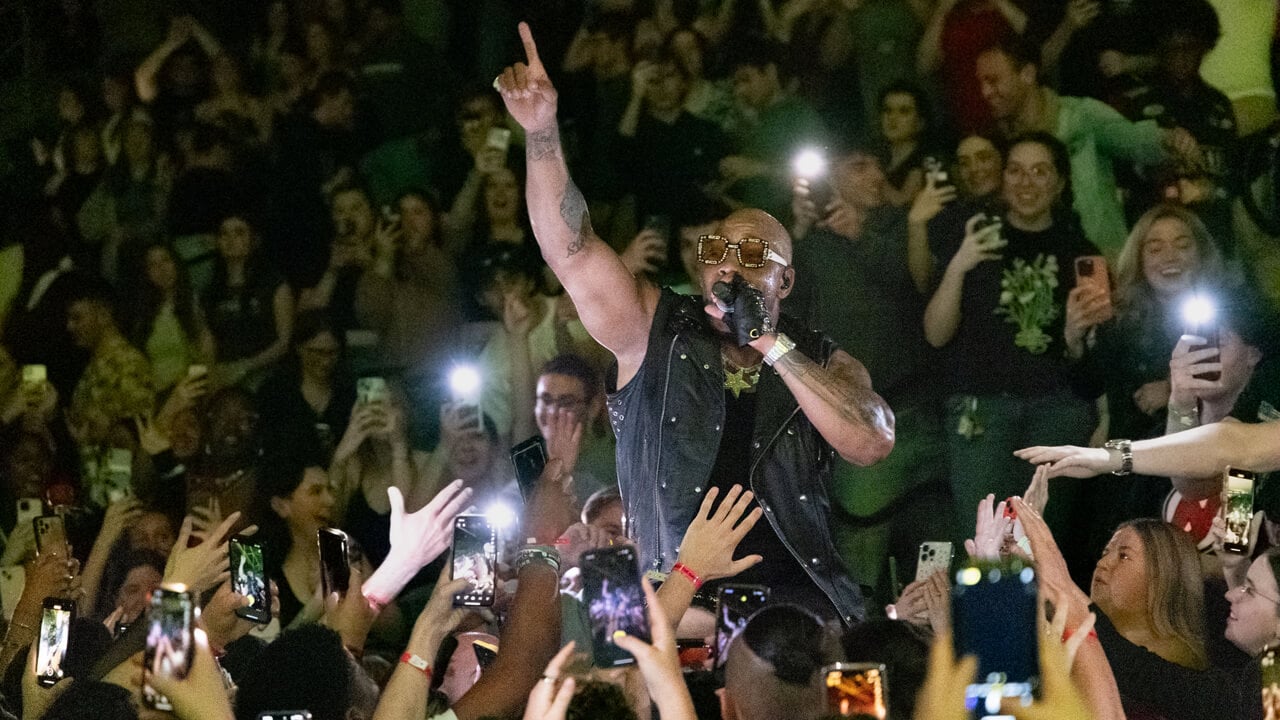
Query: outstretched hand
[709, 544]
[526, 89]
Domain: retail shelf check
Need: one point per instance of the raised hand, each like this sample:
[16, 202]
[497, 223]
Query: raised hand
[420, 537]
[526, 89]
[992, 527]
[659, 662]
[550, 697]
[979, 245]
[1069, 460]
[709, 543]
[930, 201]
[1185, 364]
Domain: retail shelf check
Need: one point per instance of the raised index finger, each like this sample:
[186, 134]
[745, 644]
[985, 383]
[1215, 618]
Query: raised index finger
[530, 47]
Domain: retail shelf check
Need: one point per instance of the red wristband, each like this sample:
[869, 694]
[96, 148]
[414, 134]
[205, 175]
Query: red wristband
[1066, 634]
[685, 571]
[416, 662]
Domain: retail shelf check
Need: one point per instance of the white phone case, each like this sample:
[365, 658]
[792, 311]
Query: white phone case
[934, 556]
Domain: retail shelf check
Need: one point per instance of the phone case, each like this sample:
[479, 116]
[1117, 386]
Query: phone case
[51, 535]
[934, 556]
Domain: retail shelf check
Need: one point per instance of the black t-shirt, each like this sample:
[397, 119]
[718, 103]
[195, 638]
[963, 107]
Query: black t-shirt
[779, 570]
[983, 356]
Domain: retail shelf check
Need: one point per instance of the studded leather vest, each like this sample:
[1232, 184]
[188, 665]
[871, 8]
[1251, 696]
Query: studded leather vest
[669, 420]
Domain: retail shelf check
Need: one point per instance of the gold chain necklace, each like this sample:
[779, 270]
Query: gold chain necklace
[739, 379]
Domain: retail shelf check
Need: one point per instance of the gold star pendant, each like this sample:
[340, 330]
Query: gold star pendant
[740, 379]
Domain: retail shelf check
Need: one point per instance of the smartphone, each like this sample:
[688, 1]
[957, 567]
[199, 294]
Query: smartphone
[529, 459]
[615, 602]
[335, 561]
[933, 170]
[1091, 270]
[117, 474]
[735, 604]
[249, 578]
[486, 653]
[29, 509]
[856, 690]
[284, 715]
[371, 390]
[1269, 665]
[1198, 314]
[170, 647]
[475, 557]
[51, 535]
[694, 653]
[13, 579]
[986, 220]
[993, 607]
[935, 556]
[55, 633]
[499, 138]
[1237, 508]
[33, 376]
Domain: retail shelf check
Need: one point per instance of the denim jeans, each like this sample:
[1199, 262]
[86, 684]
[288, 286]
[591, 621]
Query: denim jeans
[984, 462]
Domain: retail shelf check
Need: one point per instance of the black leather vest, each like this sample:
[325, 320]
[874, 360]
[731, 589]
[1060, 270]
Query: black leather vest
[669, 420]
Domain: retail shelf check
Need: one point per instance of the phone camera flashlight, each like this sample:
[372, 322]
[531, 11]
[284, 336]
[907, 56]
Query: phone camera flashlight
[810, 164]
[464, 382]
[500, 516]
[1198, 311]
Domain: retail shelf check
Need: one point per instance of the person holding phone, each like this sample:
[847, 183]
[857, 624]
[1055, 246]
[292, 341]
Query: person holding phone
[1118, 343]
[997, 313]
[803, 397]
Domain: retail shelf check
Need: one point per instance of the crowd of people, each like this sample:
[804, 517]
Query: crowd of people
[786, 288]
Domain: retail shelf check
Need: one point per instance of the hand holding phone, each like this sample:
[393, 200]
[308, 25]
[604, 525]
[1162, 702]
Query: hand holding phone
[1237, 509]
[611, 590]
[51, 536]
[335, 561]
[529, 459]
[170, 645]
[475, 557]
[53, 639]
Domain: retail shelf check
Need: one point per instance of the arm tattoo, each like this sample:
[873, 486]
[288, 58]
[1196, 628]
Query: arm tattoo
[543, 145]
[852, 401]
[573, 210]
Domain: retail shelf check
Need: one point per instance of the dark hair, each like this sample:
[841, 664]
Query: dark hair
[758, 53]
[1193, 18]
[904, 652]
[593, 699]
[1061, 163]
[906, 87]
[700, 209]
[122, 561]
[92, 699]
[489, 259]
[599, 501]
[306, 667]
[92, 289]
[149, 300]
[1244, 310]
[576, 367]
[788, 638]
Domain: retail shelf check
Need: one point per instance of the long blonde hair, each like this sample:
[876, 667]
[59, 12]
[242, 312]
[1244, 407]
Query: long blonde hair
[1134, 296]
[1175, 589]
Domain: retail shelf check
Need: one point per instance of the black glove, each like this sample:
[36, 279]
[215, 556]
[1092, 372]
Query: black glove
[747, 317]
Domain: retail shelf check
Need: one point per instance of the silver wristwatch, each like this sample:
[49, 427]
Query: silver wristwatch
[1125, 448]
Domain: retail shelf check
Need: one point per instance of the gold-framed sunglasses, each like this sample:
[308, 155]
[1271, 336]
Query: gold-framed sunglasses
[752, 252]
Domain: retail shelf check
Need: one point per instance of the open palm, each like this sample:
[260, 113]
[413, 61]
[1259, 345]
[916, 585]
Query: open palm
[527, 91]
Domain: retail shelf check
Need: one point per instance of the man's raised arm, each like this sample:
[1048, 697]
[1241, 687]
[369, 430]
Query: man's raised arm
[615, 307]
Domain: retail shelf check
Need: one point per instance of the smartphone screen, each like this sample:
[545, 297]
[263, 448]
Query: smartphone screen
[249, 578]
[55, 632]
[735, 604]
[371, 390]
[935, 556]
[118, 475]
[1237, 509]
[994, 618]
[615, 602]
[529, 459]
[335, 561]
[856, 690]
[169, 649]
[475, 557]
[51, 535]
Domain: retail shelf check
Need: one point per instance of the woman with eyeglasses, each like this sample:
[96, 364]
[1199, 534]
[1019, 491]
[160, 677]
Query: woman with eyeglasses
[997, 313]
[311, 392]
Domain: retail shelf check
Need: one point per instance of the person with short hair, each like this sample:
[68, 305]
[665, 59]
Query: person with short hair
[773, 667]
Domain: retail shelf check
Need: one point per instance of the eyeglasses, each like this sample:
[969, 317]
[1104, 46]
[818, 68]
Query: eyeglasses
[1040, 174]
[1249, 590]
[752, 252]
[564, 402]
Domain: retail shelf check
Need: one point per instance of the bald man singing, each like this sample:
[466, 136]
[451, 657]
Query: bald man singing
[714, 393]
